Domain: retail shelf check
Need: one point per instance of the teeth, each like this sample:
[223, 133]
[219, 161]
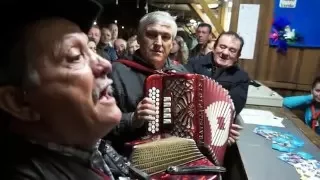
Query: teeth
[109, 90]
[103, 87]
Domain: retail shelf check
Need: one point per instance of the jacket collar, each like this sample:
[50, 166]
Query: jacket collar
[138, 58]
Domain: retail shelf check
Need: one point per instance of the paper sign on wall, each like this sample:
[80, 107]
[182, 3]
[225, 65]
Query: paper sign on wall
[247, 28]
[288, 3]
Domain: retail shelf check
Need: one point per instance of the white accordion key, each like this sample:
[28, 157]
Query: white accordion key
[167, 116]
[153, 125]
[167, 110]
[167, 104]
[167, 121]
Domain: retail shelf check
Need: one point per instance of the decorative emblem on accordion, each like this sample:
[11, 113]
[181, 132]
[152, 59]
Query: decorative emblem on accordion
[192, 106]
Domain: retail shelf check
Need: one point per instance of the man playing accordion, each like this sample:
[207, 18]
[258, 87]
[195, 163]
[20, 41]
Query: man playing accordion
[155, 35]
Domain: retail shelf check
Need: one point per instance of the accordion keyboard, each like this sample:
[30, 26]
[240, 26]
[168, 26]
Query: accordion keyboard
[154, 126]
[154, 94]
[157, 156]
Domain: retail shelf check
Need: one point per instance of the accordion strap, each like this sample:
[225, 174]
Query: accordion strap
[139, 67]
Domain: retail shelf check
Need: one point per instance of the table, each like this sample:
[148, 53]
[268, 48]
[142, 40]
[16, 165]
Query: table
[260, 161]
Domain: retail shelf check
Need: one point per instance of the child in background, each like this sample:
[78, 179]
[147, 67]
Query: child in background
[309, 103]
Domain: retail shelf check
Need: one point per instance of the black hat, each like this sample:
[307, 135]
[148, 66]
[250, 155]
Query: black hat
[16, 14]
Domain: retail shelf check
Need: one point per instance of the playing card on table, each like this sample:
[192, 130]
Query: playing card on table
[307, 170]
[315, 163]
[299, 157]
[291, 158]
[266, 132]
[316, 175]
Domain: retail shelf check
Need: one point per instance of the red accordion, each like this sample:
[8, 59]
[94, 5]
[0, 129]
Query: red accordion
[192, 106]
[188, 137]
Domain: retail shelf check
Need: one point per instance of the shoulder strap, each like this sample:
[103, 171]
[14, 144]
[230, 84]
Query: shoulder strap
[137, 66]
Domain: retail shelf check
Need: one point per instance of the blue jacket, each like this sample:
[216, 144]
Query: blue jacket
[303, 103]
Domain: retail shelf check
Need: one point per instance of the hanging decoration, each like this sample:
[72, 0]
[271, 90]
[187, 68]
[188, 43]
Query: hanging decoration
[283, 35]
[302, 15]
[138, 4]
[117, 2]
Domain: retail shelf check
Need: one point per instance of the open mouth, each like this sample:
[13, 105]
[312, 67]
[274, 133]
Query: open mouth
[106, 93]
[103, 91]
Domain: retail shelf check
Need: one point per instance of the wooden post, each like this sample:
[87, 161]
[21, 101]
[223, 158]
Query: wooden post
[207, 16]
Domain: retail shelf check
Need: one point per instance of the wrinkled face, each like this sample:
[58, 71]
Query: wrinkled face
[203, 35]
[95, 34]
[120, 46]
[105, 35]
[133, 46]
[316, 92]
[175, 47]
[92, 46]
[227, 50]
[156, 43]
[74, 80]
[114, 31]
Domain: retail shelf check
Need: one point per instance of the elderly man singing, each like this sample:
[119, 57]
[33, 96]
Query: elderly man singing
[55, 95]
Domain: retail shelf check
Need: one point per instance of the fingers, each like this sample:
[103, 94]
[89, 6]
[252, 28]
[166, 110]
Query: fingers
[236, 127]
[145, 111]
[146, 100]
[147, 106]
[231, 141]
[234, 133]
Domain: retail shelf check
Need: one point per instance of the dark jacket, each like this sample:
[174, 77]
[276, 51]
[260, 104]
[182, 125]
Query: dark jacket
[234, 79]
[23, 160]
[128, 86]
[107, 52]
[196, 51]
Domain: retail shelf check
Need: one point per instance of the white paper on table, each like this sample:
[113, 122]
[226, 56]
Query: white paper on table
[260, 117]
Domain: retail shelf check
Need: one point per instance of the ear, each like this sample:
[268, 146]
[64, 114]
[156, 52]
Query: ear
[13, 101]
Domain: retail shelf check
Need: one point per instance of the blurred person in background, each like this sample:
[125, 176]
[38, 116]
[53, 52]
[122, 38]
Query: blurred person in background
[132, 45]
[309, 103]
[179, 52]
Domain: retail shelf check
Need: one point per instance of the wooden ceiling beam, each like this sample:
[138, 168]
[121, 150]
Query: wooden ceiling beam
[205, 18]
[213, 19]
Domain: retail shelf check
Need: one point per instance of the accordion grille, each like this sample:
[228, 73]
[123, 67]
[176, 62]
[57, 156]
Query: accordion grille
[157, 156]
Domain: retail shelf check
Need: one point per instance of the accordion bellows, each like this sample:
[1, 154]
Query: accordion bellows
[156, 156]
[192, 106]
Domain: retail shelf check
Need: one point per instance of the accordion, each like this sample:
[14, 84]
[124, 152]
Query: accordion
[188, 106]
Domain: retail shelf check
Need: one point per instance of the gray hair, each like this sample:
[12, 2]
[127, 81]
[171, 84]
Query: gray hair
[158, 17]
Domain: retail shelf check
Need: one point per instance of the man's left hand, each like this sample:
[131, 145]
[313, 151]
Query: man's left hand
[234, 133]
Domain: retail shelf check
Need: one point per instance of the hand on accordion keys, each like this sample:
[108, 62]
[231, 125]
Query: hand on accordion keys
[145, 111]
[234, 133]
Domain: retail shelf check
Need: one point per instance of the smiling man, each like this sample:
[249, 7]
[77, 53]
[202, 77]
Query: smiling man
[156, 32]
[221, 65]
